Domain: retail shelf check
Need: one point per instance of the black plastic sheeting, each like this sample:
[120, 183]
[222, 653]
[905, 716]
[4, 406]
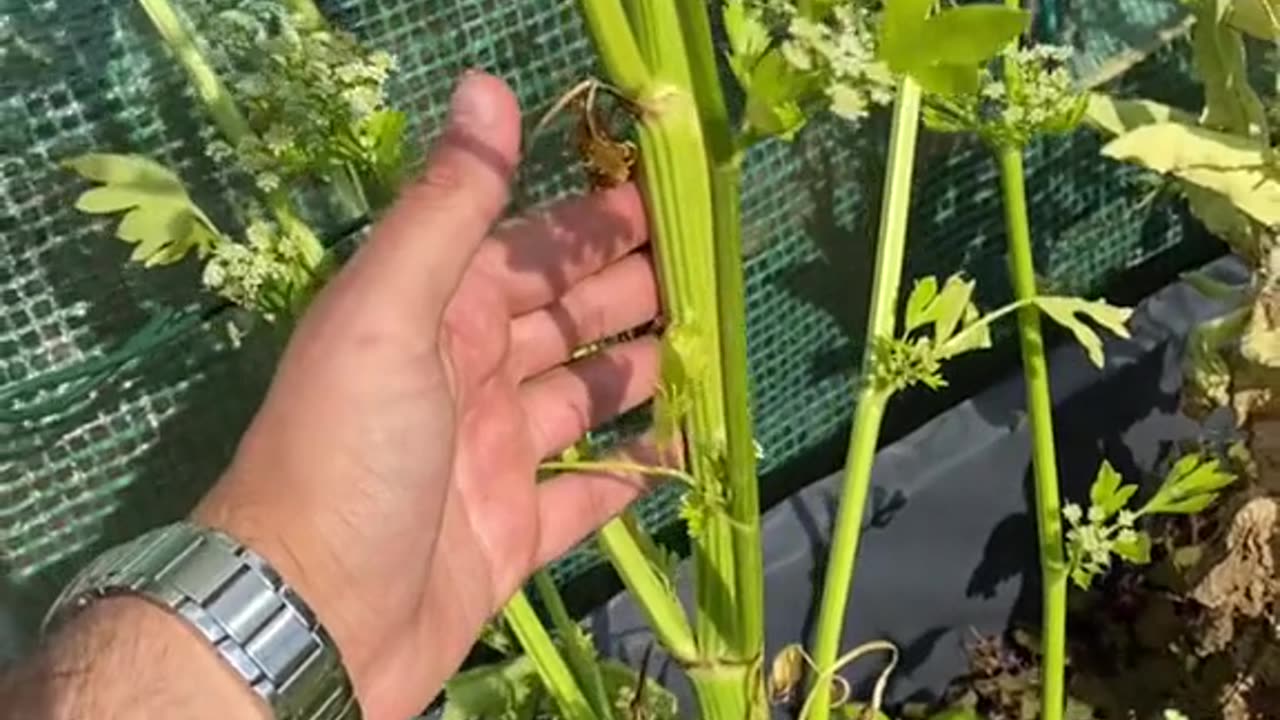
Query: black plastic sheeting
[949, 544]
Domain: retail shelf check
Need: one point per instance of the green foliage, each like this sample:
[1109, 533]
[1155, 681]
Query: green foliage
[1108, 528]
[511, 690]
[160, 219]
[823, 58]
[1118, 116]
[1066, 311]
[1234, 167]
[1193, 484]
[945, 51]
[844, 56]
[939, 324]
[314, 97]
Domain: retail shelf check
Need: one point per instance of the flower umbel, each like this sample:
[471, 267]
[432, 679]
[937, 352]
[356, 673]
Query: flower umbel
[315, 98]
[265, 274]
[1040, 97]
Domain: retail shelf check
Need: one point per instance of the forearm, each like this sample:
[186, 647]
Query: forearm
[125, 658]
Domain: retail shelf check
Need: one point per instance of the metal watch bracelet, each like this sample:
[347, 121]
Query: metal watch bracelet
[238, 603]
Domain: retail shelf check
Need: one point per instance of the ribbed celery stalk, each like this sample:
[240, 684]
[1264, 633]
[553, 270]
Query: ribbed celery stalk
[742, 486]
[552, 669]
[645, 53]
[676, 186]
[226, 116]
[1053, 565]
[890, 249]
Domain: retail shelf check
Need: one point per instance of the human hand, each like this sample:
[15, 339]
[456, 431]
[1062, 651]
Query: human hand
[390, 472]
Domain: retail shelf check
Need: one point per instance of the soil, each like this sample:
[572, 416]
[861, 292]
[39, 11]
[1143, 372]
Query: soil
[1196, 630]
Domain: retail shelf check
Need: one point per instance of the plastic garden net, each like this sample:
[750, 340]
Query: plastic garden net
[121, 402]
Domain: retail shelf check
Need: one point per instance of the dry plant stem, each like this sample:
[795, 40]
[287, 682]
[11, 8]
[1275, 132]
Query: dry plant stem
[1053, 566]
[552, 669]
[871, 401]
[577, 648]
[226, 116]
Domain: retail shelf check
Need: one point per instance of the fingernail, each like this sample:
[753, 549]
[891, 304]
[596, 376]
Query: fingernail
[471, 105]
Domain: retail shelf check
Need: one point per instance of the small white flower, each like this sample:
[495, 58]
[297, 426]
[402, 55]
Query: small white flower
[267, 181]
[1073, 513]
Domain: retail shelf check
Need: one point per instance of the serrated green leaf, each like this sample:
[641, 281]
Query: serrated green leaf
[1203, 476]
[1230, 103]
[1186, 506]
[385, 130]
[949, 307]
[160, 217]
[900, 28]
[972, 337]
[1105, 484]
[948, 80]
[922, 295]
[130, 170]
[491, 691]
[969, 35]
[748, 39]
[1136, 549]
[1117, 501]
[1118, 116]
[943, 52]
[1232, 166]
[1064, 311]
[772, 106]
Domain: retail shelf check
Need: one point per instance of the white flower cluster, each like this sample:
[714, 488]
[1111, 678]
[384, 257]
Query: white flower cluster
[1041, 98]
[841, 50]
[1045, 98]
[308, 92]
[1092, 541]
[260, 274]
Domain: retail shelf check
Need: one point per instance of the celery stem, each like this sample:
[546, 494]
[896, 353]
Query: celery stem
[1053, 566]
[552, 669]
[578, 651]
[871, 400]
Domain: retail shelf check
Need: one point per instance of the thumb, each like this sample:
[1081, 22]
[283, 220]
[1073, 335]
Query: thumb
[419, 250]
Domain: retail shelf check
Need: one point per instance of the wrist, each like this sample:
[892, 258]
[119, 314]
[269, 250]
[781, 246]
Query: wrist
[124, 657]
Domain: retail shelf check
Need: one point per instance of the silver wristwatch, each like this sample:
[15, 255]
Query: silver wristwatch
[237, 602]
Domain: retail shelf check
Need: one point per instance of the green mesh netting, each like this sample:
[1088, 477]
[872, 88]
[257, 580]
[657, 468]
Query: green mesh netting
[142, 443]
